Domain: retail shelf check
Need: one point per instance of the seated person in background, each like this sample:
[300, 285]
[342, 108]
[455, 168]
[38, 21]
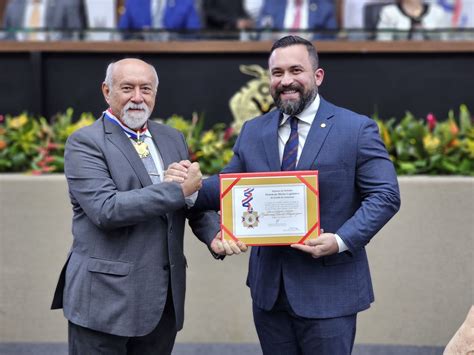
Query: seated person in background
[353, 18]
[226, 15]
[253, 8]
[299, 15]
[159, 14]
[412, 16]
[57, 15]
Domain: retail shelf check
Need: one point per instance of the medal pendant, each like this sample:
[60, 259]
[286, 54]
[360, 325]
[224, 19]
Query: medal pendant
[250, 219]
[142, 149]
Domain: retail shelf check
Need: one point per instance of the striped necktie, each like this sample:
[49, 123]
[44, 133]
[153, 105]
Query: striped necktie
[290, 153]
[144, 153]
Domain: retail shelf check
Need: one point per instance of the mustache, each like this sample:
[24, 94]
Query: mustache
[132, 106]
[295, 87]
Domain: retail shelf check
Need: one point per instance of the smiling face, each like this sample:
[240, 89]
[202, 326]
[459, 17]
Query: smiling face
[130, 90]
[293, 79]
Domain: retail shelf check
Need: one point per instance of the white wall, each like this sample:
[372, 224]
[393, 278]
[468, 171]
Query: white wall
[422, 267]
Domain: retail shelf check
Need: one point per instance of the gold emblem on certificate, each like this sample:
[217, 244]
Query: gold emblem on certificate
[250, 219]
[142, 149]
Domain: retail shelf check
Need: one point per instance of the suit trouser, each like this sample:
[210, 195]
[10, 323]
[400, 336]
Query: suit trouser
[84, 341]
[282, 332]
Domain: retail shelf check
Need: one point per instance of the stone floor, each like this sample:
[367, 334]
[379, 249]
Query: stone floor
[217, 349]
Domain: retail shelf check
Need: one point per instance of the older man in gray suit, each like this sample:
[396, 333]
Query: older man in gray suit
[123, 286]
[63, 16]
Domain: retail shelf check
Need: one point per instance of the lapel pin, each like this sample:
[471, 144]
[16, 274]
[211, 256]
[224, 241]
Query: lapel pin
[313, 7]
[323, 125]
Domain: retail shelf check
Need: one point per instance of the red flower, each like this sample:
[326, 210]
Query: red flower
[431, 119]
[228, 133]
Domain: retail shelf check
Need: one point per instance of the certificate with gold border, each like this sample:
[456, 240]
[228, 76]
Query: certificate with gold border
[273, 208]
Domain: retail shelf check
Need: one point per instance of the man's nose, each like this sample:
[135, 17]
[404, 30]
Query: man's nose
[137, 95]
[287, 79]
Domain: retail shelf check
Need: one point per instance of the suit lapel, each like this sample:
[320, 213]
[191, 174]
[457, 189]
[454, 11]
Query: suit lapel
[270, 140]
[317, 135]
[115, 135]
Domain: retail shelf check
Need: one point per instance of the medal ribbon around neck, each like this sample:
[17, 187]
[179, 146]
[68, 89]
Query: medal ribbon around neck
[140, 146]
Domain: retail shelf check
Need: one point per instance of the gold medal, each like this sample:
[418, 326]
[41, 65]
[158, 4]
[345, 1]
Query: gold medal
[142, 149]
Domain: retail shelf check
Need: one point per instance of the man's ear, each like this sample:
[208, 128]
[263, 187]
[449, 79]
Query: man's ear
[106, 92]
[319, 76]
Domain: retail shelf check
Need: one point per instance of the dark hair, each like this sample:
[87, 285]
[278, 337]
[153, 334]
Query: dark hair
[288, 41]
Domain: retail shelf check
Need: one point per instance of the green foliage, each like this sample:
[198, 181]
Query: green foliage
[211, 148]
[29, 144]
[418, 146]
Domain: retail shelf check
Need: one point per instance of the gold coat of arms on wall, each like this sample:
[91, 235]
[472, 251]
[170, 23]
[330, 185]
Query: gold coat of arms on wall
[253, 99]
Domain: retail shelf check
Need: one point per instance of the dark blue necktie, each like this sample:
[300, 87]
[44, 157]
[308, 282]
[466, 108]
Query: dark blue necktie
[291, 147]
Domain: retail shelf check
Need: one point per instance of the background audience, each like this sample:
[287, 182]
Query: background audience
[316, 19]
[159, 14]
[63, 16]
[298, 15]
[412, 17]
[226, 15]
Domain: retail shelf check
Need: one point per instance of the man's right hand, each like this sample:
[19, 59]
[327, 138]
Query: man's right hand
[193, 181]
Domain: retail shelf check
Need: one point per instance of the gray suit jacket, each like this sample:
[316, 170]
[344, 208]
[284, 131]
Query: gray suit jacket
[127, 233]
[60, 14]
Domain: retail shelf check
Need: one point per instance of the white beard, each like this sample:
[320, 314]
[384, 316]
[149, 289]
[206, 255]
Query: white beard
[135, 120]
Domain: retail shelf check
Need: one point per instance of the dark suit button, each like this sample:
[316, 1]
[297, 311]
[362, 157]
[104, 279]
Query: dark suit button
[166, 267]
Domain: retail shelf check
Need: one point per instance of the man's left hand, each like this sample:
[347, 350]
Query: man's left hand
[323, 245]
[223, 247]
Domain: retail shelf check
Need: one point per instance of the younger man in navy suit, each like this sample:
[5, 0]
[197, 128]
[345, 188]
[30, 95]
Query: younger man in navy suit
[306, 297]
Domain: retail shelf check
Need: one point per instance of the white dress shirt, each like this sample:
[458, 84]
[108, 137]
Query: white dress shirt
[38, 36]
[306, 118]
[290, 13]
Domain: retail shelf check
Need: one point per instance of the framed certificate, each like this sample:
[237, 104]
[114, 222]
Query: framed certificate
[273, 208]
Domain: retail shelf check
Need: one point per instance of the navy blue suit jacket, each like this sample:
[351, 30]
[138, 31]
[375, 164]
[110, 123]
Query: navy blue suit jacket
[358, 195]
[178, 15]
[322, 15]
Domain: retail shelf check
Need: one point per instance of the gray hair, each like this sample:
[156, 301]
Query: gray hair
[109, 77]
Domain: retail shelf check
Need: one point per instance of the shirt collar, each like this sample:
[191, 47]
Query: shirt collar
[308, 114]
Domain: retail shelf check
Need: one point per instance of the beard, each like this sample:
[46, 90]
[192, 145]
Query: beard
[135, 119]
[294, 107]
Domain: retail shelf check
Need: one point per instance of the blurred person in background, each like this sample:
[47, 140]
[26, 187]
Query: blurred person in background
[171, 15]
[412, 18]
[353, 12]
[353, 17]
[253, 8]
[461, 15]
[226, 15]
[62, 16]
[314, 15]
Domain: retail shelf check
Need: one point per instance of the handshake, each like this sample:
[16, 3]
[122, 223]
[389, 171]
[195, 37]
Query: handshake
[185, 173]
[190, 177]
